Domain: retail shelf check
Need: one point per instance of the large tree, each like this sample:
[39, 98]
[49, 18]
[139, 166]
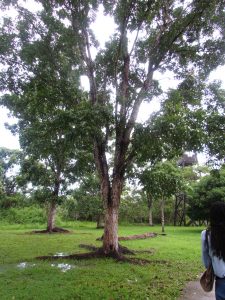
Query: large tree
[44, 96]
[185, 37]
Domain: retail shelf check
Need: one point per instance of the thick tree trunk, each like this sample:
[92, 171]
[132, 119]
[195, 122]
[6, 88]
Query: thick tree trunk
[162, 215]
[51, 216]
[110, 237]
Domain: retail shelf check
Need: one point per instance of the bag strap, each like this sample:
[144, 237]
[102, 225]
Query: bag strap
[206, 239]
[207, 242]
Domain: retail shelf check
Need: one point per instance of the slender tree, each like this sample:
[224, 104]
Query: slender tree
[162, 181]
[45, 95]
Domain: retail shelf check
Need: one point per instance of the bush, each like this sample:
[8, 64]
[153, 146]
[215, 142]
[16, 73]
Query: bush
[26, 215]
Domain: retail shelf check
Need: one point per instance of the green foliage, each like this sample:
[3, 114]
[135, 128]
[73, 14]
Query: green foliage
[15, 200]
[9, 165]
[25, 215]
[209, 189]
[190, 118]
[133, 209]
[44, 96]
[85, 202]
[162, 180]
[215, 121]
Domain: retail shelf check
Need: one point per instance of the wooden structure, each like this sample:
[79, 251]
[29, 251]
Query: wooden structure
[181, 198]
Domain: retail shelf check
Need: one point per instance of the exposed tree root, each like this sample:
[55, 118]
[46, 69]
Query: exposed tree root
[122, 249]
[117, 255]
[54, 230]
[99, 253]
[138, 236]
[89, 247]
[149, 251]
[134, 237]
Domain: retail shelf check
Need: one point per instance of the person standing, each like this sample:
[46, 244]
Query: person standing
[214, 250]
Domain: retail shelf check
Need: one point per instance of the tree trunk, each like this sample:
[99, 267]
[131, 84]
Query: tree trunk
[110, 237]
[150, 220]
[51, 216]
[100, 221]
[162, 215]
[53, 205]
[175, 210]
[150, 202]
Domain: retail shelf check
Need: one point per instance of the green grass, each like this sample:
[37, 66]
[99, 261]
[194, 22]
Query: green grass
[176, 259]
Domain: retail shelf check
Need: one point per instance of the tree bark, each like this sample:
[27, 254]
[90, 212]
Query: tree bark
[53, 204]
[100, 221]
[150, 220]
[150, 202]
[162, 215]
[110, 237]
[51, 216]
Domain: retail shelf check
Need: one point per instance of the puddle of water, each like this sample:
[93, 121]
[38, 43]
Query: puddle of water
[61, 254]
[21, 266]
[4, 268]
[63, 267]
[24, 265]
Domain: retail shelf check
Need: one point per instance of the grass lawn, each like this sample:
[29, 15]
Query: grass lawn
[175, 259]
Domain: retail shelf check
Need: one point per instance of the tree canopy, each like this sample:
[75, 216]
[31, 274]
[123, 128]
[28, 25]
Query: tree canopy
[205, 192]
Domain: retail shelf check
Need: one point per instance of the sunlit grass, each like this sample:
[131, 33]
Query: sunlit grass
[175, 259]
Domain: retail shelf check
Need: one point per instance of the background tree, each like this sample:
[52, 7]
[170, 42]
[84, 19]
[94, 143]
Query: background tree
[85, 201]
[9, 169]
[215, 121]
[161, 182]
[133, 208]
[44, 99]
[209, 189]
[168, 35]
[186, 162]
[146, 181]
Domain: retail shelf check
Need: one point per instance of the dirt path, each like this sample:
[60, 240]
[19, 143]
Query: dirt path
[193, 291]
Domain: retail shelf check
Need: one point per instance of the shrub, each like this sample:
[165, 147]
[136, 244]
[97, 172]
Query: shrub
[26, 215]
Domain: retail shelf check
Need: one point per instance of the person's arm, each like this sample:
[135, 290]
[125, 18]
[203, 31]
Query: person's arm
[206, 259]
